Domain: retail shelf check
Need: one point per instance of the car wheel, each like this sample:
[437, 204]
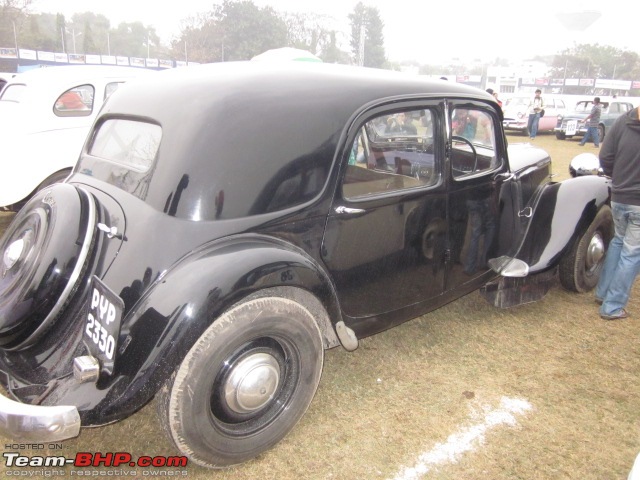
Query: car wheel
[561, 135]
[580, 268]
[601, 133]
[245, 383]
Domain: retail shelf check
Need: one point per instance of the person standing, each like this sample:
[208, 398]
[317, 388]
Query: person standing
[592, 122]
[620, 159]
[536, 105]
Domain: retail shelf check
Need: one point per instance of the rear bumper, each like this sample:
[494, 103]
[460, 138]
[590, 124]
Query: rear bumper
[20, 421]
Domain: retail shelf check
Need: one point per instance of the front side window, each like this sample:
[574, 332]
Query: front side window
[130, 143]
[473, 142]
[75, 102]
[391, 153]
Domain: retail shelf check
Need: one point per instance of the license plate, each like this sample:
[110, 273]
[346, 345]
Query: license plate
[102, 326]
[572, 126]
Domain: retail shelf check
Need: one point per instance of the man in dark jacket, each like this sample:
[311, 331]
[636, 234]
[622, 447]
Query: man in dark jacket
[620, 159]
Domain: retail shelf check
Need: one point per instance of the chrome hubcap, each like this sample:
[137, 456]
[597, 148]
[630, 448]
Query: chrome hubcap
[595, 252]
[13, 253]
[252, 383]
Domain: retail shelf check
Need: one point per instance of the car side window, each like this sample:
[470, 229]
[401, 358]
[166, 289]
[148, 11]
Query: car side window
[75, 102]
[473, 142]
[391, 153]
[14, 93]
[110, 88]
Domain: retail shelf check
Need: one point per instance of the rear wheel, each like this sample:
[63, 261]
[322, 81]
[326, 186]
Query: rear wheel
[245, 383]
[580, 267]
[601, 133]
[561, 135]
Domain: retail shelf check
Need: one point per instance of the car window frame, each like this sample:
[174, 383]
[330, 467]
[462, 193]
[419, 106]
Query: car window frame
[432, 104]
[497, 124]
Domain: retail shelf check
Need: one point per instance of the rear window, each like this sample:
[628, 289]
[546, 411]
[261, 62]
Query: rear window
[75, 102]
[131, 143]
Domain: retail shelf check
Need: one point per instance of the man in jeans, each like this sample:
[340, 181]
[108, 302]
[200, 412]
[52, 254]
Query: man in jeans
[536, 105]
[620, 159]
[592, 122]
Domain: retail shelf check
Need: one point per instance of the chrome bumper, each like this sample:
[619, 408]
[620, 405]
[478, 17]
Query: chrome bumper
[21, 421]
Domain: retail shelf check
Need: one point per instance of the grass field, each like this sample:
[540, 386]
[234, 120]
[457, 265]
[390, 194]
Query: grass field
[400, 399]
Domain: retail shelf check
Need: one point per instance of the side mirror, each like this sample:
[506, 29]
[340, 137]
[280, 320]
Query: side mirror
[585, 164]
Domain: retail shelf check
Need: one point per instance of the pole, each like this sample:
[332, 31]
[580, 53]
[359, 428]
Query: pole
[186, 58]
[15, 36]
[62, 36]
[108, 45]
[361, 46]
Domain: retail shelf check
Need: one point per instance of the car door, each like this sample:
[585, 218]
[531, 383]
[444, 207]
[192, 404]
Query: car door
[385, 236]
[480, 212]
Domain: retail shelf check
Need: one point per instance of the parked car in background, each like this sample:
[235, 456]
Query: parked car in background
[45, 115]
[227, 223]
[573, 123]
[516, 115]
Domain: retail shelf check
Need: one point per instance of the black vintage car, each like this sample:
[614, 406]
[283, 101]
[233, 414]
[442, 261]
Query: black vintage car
[225, 224]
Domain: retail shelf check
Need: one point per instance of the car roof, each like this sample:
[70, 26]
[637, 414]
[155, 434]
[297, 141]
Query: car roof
[313, 96]
[245, 123]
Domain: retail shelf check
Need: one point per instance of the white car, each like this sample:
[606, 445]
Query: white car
[45, 115]
[4, 78]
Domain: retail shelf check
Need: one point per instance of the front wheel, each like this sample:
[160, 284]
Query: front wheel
[580, 267]
[245, 383]
[561, 135]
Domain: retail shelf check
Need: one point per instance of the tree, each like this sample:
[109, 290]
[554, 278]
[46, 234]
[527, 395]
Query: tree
[307, 31]
[13, 17]
[367, 38]
[332, 53]
[595, 61]
[232, 31]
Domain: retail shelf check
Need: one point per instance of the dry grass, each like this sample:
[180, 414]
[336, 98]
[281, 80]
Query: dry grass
[406, 390]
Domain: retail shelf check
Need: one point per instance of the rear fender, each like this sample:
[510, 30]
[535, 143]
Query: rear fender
[161, 328]
[562, 213]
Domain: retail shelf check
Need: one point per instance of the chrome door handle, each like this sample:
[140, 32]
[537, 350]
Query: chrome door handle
[341, 210]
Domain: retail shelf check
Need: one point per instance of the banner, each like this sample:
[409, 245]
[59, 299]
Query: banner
[8, 53]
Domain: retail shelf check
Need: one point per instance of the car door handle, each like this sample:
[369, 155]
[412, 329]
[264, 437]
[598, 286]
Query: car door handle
[342, 210]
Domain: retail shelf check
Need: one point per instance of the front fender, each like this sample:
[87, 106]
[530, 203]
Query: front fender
[161, 328]
[562, 212]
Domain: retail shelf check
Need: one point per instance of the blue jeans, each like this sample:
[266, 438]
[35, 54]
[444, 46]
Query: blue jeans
[594, 134]
[532, 125]
[622, 262]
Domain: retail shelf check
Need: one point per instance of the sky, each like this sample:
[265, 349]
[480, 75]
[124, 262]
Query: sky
[427, 31]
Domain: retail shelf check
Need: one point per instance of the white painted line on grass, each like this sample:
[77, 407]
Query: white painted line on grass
[466, 438]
